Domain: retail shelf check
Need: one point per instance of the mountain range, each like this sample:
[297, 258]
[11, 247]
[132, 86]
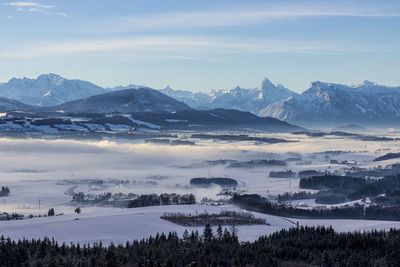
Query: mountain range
[332, 104]
[137, 106]
[323, 104]
[48, 90]
[326, 104]
[252, 100]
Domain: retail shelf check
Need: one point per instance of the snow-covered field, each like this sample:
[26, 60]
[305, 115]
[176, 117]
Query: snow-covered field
[120, 225]
[36, 171]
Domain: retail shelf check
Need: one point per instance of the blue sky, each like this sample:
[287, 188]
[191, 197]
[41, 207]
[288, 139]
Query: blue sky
[202, 45]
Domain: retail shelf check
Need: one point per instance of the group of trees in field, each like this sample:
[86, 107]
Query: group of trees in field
[11, 216]
[339, 189]
[81, 197]
[207, 182]
[257, 203]
[333, 182]
[290, 196]
[282, 174]
[51, 212]
[257, 163]
[226, 217]
[162, 200]
[301, 246]
[133, 200]
[5, 191]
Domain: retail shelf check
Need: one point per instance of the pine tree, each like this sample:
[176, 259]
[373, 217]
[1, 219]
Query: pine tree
[78, 210]
[51, 212]
[219, 232]
[186, 236]
[208, 233]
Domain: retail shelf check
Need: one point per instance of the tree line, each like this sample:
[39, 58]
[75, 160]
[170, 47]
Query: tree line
[134, 201]
[339, 189]
[254, 202]
[226, 217]
[301, 246]
[162, 200]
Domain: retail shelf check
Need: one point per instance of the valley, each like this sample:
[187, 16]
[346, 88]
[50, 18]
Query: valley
[113, 177]
[131, 155]
[200, 133]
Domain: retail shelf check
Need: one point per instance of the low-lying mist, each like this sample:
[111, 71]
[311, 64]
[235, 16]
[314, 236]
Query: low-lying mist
[32, 167]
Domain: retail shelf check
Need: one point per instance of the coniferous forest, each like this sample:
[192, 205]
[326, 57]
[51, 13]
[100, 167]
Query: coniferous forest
[302, 246]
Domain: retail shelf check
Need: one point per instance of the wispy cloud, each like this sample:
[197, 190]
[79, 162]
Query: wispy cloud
[30, 5]
[36, 7]
[187, 47]
[246, 15]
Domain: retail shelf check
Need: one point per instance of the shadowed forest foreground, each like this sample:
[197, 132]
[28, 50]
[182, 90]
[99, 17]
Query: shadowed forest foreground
[303, 246]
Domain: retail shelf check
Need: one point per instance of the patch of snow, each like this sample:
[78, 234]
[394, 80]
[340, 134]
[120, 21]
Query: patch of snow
[119, 127]
[363, 110]
[175, 121]
[70, 127]
[147, 124]
[95, 127]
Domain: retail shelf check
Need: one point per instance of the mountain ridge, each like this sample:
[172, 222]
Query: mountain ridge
[324, 103]
[245, 99]
[331, 103]
[126, 100]
[47, 90]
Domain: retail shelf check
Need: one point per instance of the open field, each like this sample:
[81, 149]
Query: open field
[120, 225]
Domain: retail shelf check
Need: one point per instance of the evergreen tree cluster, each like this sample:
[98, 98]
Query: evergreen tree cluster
[290, 196]
[132, 200]
[302, 246]
[5, 191]
[339, 189]
[254, 202]
[162, 200]
[226, 217]
[333, 182]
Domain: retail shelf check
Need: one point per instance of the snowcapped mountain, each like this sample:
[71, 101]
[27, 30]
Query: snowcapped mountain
[270, 93]
[237, 98]
[252, 100]
[330, 104]
[47, 90]
[193, 99]
[52, 89]
[128, 100]
[327, 104]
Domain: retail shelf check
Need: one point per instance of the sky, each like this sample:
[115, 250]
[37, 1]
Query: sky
[202, 45]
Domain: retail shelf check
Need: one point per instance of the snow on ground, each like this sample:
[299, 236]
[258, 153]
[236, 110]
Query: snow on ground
[144, 123]
[45, 129]
[34, 170]
[94, 126]
[70, 127]
[175, 120]
[119, 127]
[121, 225]
[8, 126]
